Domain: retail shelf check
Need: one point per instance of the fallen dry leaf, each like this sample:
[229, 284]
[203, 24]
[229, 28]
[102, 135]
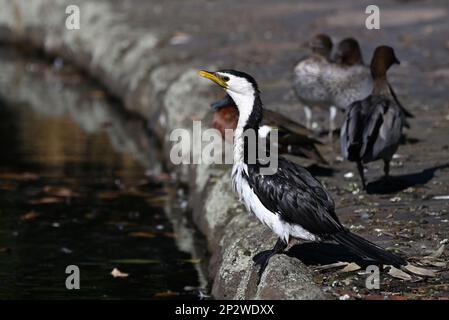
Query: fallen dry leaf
[441, 197]
[166, 294]
[420, 271]
[116, 273]
[108, 195]
[26, 176]
[142, 234]
[438, 264]
[399, 274]
[63, 192]
[351, 267]
[46, 200]
[29, 216]
[436, 254]
[331, 266]
[192, 261]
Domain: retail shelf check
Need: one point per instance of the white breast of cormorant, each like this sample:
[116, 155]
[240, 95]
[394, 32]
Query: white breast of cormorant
[253, 204]
[264, 131]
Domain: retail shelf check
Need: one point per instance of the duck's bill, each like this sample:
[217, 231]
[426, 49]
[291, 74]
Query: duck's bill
[213, 77]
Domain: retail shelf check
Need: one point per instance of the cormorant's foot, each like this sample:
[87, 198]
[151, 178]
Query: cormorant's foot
[262, 258]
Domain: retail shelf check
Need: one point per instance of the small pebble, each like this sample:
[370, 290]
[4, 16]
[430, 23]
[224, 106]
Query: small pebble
[66, 250]
[349, 175]
[395, 199]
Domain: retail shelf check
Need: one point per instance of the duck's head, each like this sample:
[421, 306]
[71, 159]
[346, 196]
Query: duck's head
[383, 58]
[348, 52]
[320, 44]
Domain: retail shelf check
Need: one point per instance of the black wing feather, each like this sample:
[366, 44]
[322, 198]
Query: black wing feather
[372, 121]
[360, 130]
[296, 196]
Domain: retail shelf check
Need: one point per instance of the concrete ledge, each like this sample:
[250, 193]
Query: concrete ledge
[132, 63]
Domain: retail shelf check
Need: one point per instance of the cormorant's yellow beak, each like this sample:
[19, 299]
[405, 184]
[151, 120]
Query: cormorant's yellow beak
[213, 77]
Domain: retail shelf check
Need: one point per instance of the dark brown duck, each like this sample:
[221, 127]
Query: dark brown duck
[373, 126]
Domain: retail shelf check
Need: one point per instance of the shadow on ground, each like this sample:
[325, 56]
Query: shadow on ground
[398, 183]
[324, 254]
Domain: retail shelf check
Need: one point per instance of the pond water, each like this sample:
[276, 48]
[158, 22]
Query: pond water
[73, 192]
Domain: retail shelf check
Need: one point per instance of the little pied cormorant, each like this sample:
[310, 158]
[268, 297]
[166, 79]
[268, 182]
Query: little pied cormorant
[291, 202]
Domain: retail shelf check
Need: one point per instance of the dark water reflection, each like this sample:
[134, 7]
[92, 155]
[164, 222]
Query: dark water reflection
[73, 191]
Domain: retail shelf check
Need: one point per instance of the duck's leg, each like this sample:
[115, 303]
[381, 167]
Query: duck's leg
[308, 114]
[263, 257]
[361, 173]
[332, 116]
[387, 169]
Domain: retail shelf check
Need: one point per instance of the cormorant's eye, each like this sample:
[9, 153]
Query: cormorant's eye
[226, 79]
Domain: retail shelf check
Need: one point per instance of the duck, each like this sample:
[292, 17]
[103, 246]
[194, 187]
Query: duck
[293, 138]
[286, 198]
[349, 79]
[373, 126]
[307, 77]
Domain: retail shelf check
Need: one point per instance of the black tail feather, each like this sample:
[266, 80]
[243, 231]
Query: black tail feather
[367, 249]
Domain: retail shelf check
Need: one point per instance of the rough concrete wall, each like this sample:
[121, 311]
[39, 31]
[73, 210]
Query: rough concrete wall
[132, 64]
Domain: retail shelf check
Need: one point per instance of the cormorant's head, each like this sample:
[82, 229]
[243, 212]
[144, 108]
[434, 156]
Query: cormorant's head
[234, 82]
[383, 58]
[321, 44]
[348, 52]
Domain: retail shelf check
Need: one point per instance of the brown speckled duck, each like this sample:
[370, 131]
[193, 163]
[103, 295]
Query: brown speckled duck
[307, 79]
